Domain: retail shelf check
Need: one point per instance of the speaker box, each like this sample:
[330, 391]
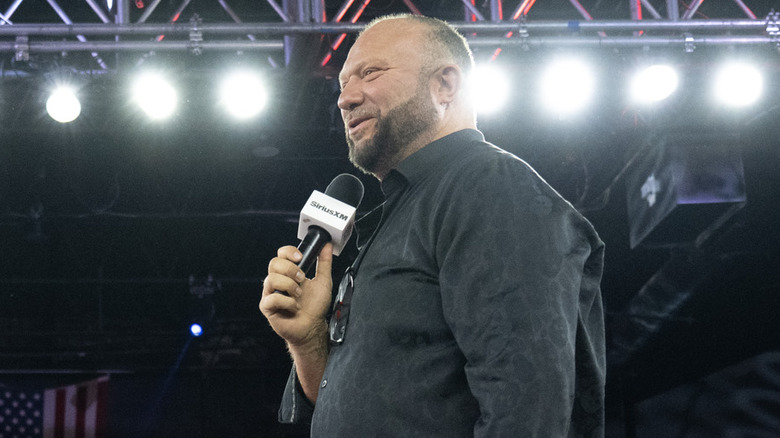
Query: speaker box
[682, 186]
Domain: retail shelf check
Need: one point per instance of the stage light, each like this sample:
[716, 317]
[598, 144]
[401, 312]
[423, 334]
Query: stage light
[489, 88]
[738, 84]
[63, 105]
[566, 86]
[155, 95]
[243, 94]
[202, 309]
[654, 83]
[196, 330]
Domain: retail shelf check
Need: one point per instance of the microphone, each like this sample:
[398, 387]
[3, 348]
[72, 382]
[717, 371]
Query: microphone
[328, 217]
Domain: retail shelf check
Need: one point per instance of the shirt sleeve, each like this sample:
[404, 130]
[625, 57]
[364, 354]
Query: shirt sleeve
[513, 258]
[295, 407]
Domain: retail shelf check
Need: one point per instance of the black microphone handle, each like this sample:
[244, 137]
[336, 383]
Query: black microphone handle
[310, 247]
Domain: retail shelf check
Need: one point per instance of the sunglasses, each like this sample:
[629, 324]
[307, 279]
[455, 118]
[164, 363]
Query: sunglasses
[340, 315]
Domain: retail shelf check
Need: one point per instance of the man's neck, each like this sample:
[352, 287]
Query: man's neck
[422, 141]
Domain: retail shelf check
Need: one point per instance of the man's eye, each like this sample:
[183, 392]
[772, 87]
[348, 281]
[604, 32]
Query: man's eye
[369, 71]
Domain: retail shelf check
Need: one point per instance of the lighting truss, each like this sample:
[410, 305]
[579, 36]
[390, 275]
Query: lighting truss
[112, 30]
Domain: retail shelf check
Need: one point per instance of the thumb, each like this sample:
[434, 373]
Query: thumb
[325, 261]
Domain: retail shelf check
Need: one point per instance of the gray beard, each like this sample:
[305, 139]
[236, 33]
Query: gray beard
[395, 131]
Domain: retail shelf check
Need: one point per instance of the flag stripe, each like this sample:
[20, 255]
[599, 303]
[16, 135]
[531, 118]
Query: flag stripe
[100, 410]
[49, 404]
[81, 409]
[59, 413]
[70, 412]
[90, 410]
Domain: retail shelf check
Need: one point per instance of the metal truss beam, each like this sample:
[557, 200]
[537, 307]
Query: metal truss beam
[276, 29]
[221, 36]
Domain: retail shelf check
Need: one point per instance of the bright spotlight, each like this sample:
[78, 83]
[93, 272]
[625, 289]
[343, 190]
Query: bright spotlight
[243, 94]
[489, 88]
[738, 84]
[196, 330]
[566, 86]
[156, 97]
[63, 105]
[654, 83]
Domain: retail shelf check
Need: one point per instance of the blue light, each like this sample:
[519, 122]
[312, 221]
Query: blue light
[196, 330]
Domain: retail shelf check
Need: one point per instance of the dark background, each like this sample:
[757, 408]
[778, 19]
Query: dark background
[108, 222]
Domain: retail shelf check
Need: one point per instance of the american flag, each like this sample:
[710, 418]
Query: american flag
[74, 411]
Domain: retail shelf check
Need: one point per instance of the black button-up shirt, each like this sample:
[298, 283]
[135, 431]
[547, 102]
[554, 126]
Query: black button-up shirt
[476, 310]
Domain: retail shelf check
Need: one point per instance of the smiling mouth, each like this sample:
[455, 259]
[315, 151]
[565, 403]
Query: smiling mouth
[355, 124]
[357, 121]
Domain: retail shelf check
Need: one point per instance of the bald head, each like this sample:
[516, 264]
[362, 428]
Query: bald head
[440, 42]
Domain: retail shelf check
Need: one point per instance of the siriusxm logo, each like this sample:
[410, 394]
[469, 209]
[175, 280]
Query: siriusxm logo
[329, 211]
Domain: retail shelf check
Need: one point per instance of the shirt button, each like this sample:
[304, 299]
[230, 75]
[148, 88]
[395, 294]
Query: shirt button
[324, 383]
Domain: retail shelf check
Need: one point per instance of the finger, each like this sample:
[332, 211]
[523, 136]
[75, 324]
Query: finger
[278, 282]
[290, 252]
[283, 266]
[325, 260]
[272, 304]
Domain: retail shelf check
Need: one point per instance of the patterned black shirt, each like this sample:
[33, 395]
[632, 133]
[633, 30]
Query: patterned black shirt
[476, 312]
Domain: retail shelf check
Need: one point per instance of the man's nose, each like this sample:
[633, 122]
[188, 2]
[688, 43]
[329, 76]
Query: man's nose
[350, 96]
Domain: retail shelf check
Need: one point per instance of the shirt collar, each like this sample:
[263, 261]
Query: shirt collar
[435, 155]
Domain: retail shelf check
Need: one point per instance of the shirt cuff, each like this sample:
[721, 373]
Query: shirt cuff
[295, 408]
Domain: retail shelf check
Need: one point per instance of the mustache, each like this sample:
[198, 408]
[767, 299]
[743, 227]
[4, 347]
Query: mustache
[351, 118]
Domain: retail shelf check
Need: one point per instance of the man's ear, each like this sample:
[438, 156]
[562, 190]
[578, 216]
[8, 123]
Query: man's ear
[449, 82]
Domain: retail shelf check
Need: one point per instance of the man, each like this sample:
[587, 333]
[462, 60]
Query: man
[474, 306]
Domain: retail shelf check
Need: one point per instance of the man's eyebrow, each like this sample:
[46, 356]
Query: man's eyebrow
[344, 74]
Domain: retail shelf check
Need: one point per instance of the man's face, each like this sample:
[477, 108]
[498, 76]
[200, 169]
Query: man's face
[386, 102]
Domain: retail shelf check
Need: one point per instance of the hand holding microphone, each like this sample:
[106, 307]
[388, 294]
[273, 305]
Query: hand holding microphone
[328, 217]
[294, 305]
